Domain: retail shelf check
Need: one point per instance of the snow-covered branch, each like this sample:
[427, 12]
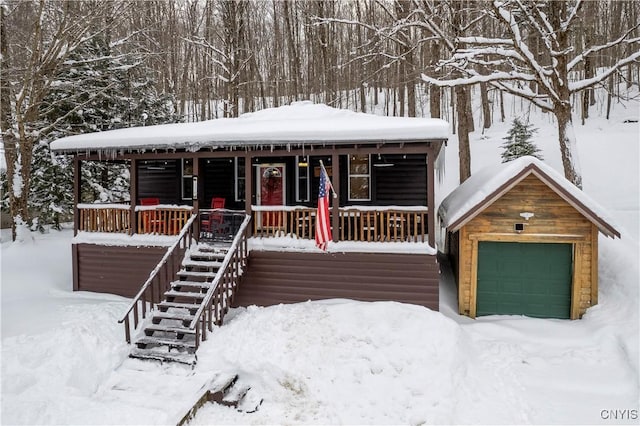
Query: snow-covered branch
[542, 76]
[478, 78]
[586, 83]
[594, 49]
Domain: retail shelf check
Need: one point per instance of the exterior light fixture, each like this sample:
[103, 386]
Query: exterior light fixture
[527, 215]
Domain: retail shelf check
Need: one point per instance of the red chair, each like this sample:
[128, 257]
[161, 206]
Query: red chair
[215, 220]
[152, 220]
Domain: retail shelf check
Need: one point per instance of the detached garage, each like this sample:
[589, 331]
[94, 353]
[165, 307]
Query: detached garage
[523, 241]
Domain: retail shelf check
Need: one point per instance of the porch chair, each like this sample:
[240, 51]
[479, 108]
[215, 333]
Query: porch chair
[215, 221]
[152, 221]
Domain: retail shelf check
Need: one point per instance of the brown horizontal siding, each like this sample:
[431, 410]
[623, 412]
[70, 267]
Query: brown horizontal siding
[291, 277]
[117, 270]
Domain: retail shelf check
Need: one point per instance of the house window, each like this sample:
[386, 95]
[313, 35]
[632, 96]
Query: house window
[302, 179]
[359, 178]
[239, 179]
[187, 179]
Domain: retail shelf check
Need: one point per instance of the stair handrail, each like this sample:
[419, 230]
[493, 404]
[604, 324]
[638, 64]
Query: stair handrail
[240, 234]
[184, 232]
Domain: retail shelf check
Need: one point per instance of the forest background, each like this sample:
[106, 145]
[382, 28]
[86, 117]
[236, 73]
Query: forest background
[69, 67]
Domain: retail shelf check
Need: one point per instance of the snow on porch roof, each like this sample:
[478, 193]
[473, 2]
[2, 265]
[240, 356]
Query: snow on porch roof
[489, 184]
[299, 122]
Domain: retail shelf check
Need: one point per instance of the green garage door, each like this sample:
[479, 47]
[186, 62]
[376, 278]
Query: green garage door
[530, 279]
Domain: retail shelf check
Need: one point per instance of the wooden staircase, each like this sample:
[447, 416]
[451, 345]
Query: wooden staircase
[166, 333]
[224, 390]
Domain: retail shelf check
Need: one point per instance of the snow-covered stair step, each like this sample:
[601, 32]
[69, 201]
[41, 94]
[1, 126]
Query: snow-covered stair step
[199, 285]
[201, 263]
[227, 390]
[213, 248]
[189, 345]
[204, 256]
[185, 317]
[160, 328]
[192, 307]
[184, 294]
[196, 274]
[161, 354]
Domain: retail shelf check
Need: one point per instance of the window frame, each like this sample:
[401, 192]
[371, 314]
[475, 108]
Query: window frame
[237, 178]
[306, 178]
[358, 175]
[184, 178]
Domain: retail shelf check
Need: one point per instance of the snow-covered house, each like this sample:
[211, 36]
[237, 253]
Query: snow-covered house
[523, 240]
[248, 187]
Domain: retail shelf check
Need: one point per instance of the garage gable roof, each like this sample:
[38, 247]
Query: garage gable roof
[489, 184]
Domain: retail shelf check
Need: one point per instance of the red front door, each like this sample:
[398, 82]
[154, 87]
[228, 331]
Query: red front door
[272, 182]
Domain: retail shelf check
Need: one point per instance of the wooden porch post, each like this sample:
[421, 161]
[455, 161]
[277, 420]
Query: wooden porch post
[248, 184]
[133, 195]
[431, 215]
[335, 179]
[197, 194]
[76, 193]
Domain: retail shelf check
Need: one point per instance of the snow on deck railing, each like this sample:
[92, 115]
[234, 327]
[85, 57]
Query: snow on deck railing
[356, 223]
[164, 207]
[123, 206]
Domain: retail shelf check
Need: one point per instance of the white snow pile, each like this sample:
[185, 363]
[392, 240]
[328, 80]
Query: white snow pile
[296, 123]
[64, 358]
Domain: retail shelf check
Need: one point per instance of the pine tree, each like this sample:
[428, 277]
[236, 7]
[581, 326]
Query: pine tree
[518, 142]
[51, 188]
[114, 91]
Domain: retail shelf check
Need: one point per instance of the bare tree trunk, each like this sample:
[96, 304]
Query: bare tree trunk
[486, 109]
[435, 92]
[568, 149]
[294, 56]
[462, 99]
[6, 122]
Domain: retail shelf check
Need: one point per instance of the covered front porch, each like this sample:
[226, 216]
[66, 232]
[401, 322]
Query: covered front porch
[355, 223]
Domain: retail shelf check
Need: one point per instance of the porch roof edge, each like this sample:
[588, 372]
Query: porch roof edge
[302, 123]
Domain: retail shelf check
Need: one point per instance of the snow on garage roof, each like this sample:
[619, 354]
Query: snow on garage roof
[299, 122]
[487, 185]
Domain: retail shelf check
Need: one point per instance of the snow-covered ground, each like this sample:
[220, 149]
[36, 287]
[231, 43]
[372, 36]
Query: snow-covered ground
[64, 360]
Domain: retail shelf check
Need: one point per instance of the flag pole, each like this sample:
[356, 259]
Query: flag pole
[335, 195]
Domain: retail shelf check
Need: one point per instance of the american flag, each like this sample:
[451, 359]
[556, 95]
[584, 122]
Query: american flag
[323, 223]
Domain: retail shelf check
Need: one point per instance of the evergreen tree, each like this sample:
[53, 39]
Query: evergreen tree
[113, 91]
[518, 142]
[51, 187]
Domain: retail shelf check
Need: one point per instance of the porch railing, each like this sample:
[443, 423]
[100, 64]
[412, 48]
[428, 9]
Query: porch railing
[159, 280]
[222, 291]
[162, 219]
[103, 217]
[356, 223]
